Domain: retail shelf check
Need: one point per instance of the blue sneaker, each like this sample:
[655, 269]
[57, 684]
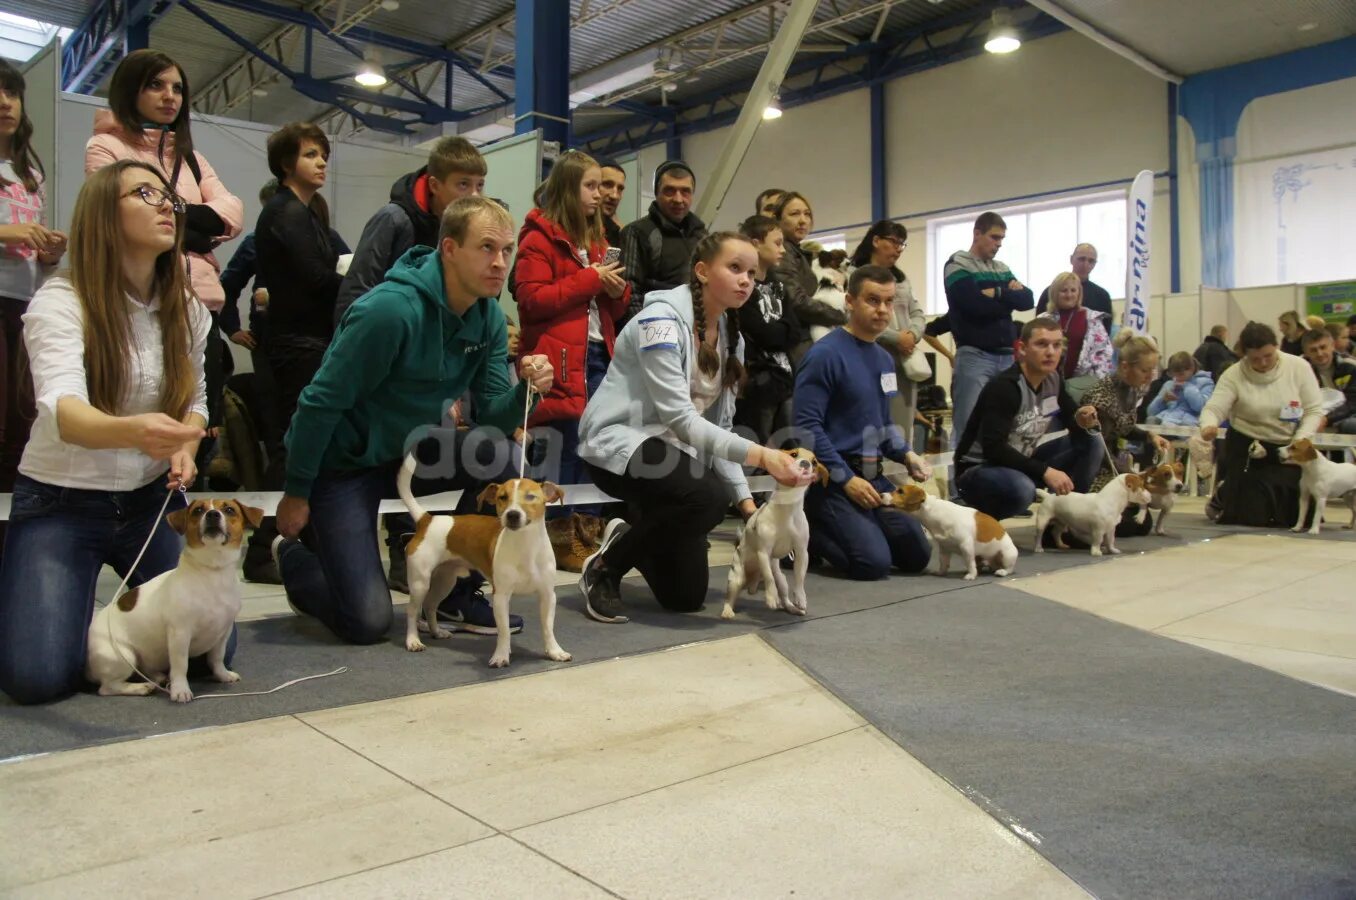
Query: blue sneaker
[466, 609]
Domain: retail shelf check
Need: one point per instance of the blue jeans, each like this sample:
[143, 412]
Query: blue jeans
[1002, 492]
[59, 538]
[863, 544]
[972, 371]
[563, 465]
[334, 572]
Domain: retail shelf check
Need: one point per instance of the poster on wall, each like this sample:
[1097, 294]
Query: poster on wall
[1334, 301]
[1140, 208]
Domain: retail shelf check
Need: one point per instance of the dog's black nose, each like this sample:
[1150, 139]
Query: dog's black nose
[513, 518]
[213, 515]
[805, 464]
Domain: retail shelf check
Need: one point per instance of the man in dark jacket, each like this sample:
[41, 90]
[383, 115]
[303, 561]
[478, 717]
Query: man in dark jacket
[455, 169]
[1334, 373]
[610, 191]
[1000, 460]
[1095, 297]
[657, 249]
[1214, 354]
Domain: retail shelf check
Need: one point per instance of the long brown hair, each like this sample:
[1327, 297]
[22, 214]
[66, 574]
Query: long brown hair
[96, 275]
[25, 161]
[132, 76]
[560, 200]
[708, 361]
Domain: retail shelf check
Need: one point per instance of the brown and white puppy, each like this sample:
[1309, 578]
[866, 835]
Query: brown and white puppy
[1320, 479]
[179, 614]
[973, 535]
[1163, 482]
[510, 548]
[776, 528]
[1091, 517]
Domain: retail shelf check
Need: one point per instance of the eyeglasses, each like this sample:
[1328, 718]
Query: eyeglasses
[156, 197]
[899, 243]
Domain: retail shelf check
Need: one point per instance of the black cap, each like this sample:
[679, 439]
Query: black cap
[670, 165]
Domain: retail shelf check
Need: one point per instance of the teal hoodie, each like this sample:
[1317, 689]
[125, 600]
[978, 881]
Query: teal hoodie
[398, 360]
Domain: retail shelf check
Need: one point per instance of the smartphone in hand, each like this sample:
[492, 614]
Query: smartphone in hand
[611, 256]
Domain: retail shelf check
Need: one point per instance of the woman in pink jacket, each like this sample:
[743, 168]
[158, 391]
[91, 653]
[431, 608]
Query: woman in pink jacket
[148, 120]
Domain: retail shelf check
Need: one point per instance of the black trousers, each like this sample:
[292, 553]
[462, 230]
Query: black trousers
[673, 502]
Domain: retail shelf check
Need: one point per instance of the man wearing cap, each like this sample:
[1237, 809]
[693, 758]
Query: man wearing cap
[657, 249]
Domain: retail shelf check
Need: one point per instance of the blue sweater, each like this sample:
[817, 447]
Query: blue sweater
[841, 400]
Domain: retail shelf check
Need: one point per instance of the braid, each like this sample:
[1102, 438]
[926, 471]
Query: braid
[707, 360]
[734, 369]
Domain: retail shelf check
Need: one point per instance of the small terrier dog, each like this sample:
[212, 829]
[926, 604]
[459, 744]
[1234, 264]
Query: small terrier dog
[510, 548]
[179, 614]
[1091, 517]
[775, 529]
[968, 533]
[1320, 479]
[1163, 482]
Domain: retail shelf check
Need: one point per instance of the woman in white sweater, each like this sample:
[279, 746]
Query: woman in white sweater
[1272, 398]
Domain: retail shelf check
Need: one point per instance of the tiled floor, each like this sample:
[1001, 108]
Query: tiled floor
[714, 769]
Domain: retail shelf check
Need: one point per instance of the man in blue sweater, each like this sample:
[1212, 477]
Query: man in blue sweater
[981, 296]
[842, 404]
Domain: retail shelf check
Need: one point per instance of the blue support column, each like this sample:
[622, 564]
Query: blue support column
[673, 145]
[879, 197]
[542, 69]
[1174, 216]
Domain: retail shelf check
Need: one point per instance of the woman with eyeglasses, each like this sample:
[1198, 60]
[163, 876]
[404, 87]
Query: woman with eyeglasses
[882, 246]
[115, 347]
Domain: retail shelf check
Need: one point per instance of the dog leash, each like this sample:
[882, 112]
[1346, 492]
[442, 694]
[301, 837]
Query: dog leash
[522, 443]
[122, 587]
[1096, 432]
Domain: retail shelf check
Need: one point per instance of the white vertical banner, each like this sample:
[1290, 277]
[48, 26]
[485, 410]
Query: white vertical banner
[1140, 208]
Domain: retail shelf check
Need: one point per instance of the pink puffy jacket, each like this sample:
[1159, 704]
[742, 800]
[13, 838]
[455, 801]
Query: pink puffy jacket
[111, 143]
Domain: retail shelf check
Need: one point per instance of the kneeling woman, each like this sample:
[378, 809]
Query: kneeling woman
[657, 434]
[115, 347]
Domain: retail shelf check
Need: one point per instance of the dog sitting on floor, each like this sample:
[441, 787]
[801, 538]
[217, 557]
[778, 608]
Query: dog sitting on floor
[188, 611]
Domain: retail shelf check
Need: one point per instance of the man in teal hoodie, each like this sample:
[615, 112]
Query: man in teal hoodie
[404, 352]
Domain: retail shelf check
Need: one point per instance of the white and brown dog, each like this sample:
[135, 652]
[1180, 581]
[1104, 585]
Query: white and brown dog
[832, 285]
[1320, 478]
[510, 548]
[1091, 517]
[776, 528]
[179, 614]
[1163, 482]
[974, 536]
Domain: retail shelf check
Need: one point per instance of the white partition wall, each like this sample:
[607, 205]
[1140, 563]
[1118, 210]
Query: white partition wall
[42, 85]
[514, 174]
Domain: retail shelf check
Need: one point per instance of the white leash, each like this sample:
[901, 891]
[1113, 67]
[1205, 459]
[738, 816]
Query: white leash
[522, 443]
[117, 647]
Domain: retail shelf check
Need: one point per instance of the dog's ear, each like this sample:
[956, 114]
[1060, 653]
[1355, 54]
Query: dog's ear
[1134, 482]
[487, 496]
[254, 516]
[552, 492]
[178, 520]
[1179, 470]
[822, 472]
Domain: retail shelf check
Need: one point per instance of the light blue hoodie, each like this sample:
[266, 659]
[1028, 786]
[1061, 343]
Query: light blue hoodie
[648, 393]
[1191, 399]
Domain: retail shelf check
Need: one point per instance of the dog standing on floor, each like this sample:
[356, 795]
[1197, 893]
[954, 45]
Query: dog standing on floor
[775, 529]
[968, 533]
[510, 548]
[1163, 482]
[177, 615]
[1091, 517]
[1320, 478]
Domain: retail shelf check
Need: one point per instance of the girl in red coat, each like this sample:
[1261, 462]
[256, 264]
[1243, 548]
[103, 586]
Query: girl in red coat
[568, 304]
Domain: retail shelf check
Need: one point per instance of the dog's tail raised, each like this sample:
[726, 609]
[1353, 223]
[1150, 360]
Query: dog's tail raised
[404, 478]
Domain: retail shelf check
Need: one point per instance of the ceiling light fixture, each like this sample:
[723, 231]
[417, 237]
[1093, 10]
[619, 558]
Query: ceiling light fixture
[773, 109]
[370, 73]
[1002, 35]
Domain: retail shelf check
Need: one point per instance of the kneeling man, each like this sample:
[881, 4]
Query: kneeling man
[1000, 458]
[842, 402]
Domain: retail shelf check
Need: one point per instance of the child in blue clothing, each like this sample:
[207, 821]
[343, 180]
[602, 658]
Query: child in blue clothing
[1183, 395]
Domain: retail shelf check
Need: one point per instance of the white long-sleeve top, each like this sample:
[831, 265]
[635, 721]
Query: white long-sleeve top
[54, 337]
[1278, 406]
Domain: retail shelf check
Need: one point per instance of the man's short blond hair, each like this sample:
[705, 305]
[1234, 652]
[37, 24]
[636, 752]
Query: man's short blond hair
[457, 218]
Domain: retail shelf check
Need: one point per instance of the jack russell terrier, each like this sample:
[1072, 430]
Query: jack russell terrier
[1320, 479]
[775, 529]
[1091, 517]
[968, 533]
[177, 615]
[510, 548]
[1163, 482]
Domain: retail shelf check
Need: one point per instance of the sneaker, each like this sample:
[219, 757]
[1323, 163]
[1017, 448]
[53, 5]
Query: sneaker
[275, 551]
[466, 609]
[601, 589]
[263, 569]
[397, 578]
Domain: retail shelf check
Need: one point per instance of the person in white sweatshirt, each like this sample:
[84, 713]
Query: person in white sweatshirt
[1270, 398]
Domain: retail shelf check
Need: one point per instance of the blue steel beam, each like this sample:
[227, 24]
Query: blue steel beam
[103, 38]
[542, 77]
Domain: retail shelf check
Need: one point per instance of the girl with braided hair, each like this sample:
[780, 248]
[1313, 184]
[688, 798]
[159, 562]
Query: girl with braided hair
[658, 436]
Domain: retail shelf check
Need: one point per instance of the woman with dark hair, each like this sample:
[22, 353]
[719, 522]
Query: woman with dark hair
[115, 347]
[148, 120]
[657, 434]
[28, 251]
[881, 246]
[796, 272]
[771, 331]
[1270, 399]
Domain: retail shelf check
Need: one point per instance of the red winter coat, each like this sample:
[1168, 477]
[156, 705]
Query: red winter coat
[553, 289]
